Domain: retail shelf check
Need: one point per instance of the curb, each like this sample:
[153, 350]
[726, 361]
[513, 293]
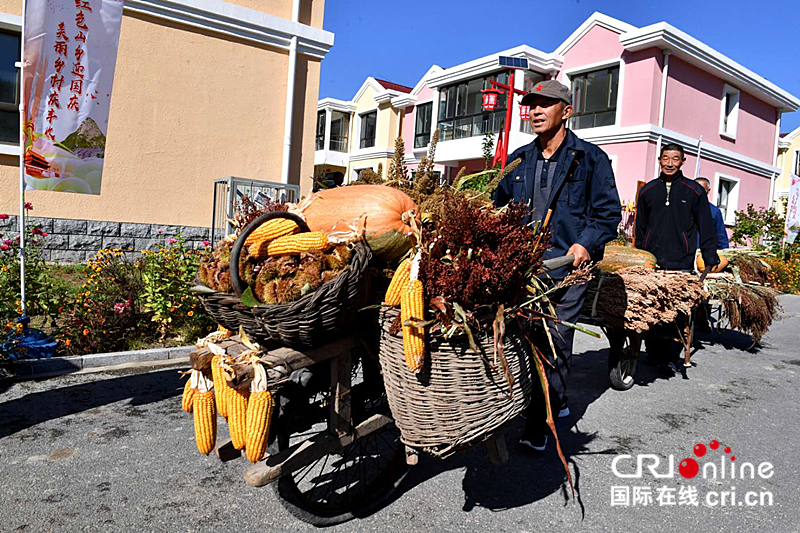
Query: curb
[57, 366]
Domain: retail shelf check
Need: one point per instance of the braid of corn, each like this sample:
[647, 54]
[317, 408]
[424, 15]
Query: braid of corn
[188, 395]
[236, 402]
[219, 385]
[259, 414]
[398, 283]
[205, 419]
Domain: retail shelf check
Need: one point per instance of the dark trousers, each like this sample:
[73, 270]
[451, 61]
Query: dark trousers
[567, 303]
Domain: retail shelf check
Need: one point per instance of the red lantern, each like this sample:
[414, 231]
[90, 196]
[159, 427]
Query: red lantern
[525, 112]
[491, 98]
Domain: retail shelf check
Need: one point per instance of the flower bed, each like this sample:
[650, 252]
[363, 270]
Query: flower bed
[111, 303]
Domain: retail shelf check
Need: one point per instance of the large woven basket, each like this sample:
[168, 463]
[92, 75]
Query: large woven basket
[460, 398]
[314, 319]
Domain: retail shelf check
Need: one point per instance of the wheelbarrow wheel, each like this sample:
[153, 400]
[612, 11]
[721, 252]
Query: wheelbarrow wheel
[622, 373]
[354, 481]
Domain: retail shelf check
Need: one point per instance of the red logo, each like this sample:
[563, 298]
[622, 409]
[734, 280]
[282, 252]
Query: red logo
[689, 468]
[539, 88]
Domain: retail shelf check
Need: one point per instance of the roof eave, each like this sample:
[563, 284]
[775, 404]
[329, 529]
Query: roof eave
[689, 49]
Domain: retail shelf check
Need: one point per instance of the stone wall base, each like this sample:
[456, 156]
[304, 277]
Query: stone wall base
[74, 241]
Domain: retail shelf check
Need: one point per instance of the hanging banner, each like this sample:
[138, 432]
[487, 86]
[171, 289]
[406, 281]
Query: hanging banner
[70, 49]
[793, 211]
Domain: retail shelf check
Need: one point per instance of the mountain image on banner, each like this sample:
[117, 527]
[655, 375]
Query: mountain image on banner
[87, 141]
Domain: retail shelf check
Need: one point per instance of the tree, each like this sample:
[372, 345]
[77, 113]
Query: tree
[488, 150]
[760, 228]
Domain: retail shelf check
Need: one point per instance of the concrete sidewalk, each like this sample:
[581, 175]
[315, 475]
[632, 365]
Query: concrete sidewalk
[82, 364]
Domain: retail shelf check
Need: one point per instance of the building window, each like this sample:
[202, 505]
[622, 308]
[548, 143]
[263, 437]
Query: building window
[422, 130]
[340, 130]
[729, 112]
[461, 112]
[368, 129]
[320, 130]
[594, 98]
[796, 166]
[727, 198]
[436, 175]
[9, 87]
[530, 80]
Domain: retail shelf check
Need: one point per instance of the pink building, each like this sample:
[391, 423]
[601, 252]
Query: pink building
[634, 90]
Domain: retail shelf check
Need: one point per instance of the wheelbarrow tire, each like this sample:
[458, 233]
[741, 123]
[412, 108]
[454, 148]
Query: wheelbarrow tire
[621, 376]
[380, 455]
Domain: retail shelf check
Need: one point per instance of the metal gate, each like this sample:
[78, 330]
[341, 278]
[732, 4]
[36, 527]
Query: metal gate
[229, 191]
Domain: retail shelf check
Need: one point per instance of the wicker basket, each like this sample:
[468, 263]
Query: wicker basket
[460, 398]
[314, 319]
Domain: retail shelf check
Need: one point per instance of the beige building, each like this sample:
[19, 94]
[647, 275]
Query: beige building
[200, 93]
[360, 134]
[789, 163]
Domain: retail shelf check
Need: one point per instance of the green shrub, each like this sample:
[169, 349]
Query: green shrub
[167, 275]
[107, 313]
[44, 297]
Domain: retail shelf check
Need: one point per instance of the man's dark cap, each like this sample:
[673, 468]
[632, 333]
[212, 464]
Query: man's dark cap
[549, 89]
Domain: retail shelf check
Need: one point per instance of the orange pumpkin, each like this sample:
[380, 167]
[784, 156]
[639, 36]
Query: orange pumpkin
[723, 262]
[383, 213]
[617, 257]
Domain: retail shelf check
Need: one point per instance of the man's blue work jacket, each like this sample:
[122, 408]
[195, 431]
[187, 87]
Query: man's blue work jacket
[583, 197]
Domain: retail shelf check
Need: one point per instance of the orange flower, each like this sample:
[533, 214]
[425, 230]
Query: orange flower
[68, 342]
[85, 332]
[190, 313]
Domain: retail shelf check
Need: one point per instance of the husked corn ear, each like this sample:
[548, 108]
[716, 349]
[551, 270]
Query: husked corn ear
[272, 229]
[412, 305]
[259, 416]
[188, 395]
[219, 385]
[205, 421]
[399, 283]
[236, 402]
[313, 241]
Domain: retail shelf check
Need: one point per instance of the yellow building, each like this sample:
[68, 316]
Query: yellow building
[789, 163]
[201, 92]
[360, 133]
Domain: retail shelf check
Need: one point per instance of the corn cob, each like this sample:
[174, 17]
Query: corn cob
[219, 385]
[188, 395]
[415, 309]
[398, 283]
[205, 419]
[236, 402]
[272, 229]
[259, 414]
[313, 241]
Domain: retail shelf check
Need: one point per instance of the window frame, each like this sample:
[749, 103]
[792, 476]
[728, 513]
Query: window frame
[423, 134]
[729, 215]
[486, 116]
[728, 127]
[346, 136]
[361, 129]
[14, 107]
[320, 139]
[584, 72]
[796, 163]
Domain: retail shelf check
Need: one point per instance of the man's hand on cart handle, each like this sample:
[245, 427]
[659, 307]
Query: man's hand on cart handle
[557, 262]
[580, 253]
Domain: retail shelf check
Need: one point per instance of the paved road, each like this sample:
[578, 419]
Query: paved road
[114, 451]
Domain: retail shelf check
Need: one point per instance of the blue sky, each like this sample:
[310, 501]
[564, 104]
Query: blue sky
[399, 41]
